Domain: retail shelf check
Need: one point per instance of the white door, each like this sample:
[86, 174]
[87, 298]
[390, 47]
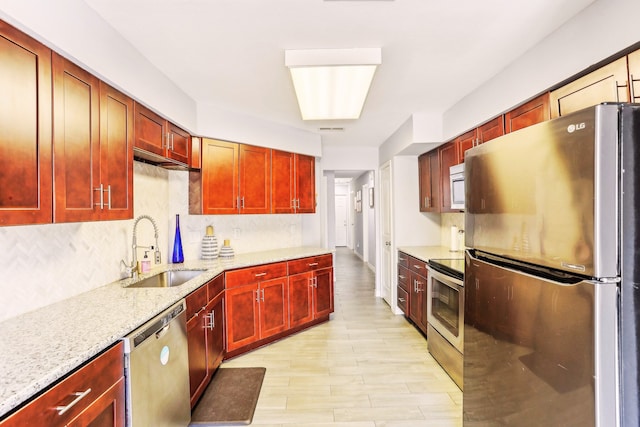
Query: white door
[341, 219]
[385, 235]
[365, 223]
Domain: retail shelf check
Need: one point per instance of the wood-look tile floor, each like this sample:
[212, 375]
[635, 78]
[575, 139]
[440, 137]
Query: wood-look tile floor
[366, 367]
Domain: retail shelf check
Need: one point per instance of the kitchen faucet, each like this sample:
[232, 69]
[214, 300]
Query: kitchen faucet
[132, 269]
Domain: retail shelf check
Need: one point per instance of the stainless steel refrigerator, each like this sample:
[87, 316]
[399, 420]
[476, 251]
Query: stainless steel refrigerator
[551, 278]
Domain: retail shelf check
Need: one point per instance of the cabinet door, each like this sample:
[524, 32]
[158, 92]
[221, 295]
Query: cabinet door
[76, 142]
[219, 177]
[215, 339]
[178, 144]
[417, 301]
[530, 113]
[25, 119]
[606, 84]
[300, 299]
[323, 292]
[463, 143]
[150, 130]
[274, 306]
[241, 307]
[108, 410]
[305, 184]
[429, 180]
[255, 179]
[116, 153]
[488, 131]
[197, 345]
[448, 157]
[634, 75]
[283, 180]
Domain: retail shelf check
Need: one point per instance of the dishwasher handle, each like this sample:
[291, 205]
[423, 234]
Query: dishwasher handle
[163, 331]
[156, 327]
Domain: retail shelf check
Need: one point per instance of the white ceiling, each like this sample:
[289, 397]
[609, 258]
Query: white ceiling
[230, 53]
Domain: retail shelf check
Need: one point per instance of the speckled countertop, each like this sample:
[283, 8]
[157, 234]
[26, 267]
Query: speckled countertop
[39, 347]
[425, 253]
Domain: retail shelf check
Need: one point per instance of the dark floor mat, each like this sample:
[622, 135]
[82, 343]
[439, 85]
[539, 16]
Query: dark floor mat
[230, 398]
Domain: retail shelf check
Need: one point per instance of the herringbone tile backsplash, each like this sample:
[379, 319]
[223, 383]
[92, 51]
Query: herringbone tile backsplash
[43, 264]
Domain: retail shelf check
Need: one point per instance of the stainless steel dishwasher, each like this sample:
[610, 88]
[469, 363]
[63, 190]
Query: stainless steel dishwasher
[157, 371]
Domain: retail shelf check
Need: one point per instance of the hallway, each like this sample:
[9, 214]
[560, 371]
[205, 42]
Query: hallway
[364, 368]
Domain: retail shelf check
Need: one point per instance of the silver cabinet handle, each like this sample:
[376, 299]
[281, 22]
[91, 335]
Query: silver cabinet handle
[101, 202]
[312, 264]
[260, 274]
[258, 296]
[212, 320]
[417, 266]
[401, 276]
[262, 295]
[80, 395]
[171, 142]
[401, 299]
[109, 197]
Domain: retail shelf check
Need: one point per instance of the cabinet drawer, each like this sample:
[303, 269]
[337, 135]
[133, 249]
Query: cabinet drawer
[403, 300]
[83, 387]
[215, 286]
[418, 266]
[256, 274]
[311, 263]
[403, 278]
[403, 259]
[195, 301]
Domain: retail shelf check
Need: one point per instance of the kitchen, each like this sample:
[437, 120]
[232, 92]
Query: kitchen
[102, 245]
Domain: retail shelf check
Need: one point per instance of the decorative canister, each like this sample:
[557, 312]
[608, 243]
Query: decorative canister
[226, 251]
[209, 245]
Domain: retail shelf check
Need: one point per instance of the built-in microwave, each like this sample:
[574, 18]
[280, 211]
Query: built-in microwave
[456, 176]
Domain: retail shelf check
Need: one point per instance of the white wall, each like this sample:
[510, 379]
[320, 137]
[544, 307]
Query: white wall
[601, 30]
[216, 123]
[349, 158]
[411, 227]
[75, 30]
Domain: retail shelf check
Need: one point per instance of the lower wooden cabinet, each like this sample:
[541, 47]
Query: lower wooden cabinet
[404, 277]
[412, 289]
[256, 311]
[94, 395]
[205, 334]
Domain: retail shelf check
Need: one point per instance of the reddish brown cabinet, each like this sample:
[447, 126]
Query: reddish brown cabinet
[255, 180]
[310, 289]
[233, 179]
[530, 113]
[404, 286]
[464, 142]
[429, 181]
[418, 293]
[93, 152]
[256, 304]
[93, 396]
[205, 334]
[26, 195]
[448, 154]
[158, 140]
[292, 183]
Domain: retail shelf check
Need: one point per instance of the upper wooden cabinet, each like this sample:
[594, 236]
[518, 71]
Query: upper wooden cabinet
[76, 142]
[292, 183]
[26, 195]
[255, 180]
[234, 178]
[429, 181]
[448, 154]
[606, 84]
[158, 140]
[634, 75]
[490, 130]
[530, 113]
[93, 151]
[116, 154]
[464, 142]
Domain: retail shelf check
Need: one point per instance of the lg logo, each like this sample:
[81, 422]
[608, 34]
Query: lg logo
[578, 126]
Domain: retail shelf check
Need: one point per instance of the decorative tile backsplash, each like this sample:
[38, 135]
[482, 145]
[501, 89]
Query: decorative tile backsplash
[44, 264]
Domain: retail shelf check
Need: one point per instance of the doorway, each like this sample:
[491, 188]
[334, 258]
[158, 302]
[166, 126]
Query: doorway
[342, 219]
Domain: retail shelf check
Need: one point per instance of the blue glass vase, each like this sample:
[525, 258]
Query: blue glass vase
[178, 256]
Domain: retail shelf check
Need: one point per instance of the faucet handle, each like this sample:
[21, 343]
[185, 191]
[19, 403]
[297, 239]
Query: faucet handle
[129, 269]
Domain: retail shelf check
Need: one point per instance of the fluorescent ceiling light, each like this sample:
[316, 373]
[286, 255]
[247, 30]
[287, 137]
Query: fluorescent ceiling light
[332, 84]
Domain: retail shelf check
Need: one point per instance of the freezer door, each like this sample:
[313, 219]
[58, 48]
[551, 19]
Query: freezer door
[548, 194]
[537, 352]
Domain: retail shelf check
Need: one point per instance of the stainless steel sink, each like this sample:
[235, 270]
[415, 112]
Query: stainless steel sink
[167, 279]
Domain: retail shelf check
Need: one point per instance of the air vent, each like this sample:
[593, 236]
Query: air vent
[325, 129]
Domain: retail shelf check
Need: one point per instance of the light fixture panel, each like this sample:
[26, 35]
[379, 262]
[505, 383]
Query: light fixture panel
[332, 84]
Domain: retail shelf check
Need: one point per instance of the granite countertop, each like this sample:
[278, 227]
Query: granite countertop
[42, 346]
[425, 253]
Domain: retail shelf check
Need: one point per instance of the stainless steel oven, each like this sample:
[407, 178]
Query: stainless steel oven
[445, 315]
